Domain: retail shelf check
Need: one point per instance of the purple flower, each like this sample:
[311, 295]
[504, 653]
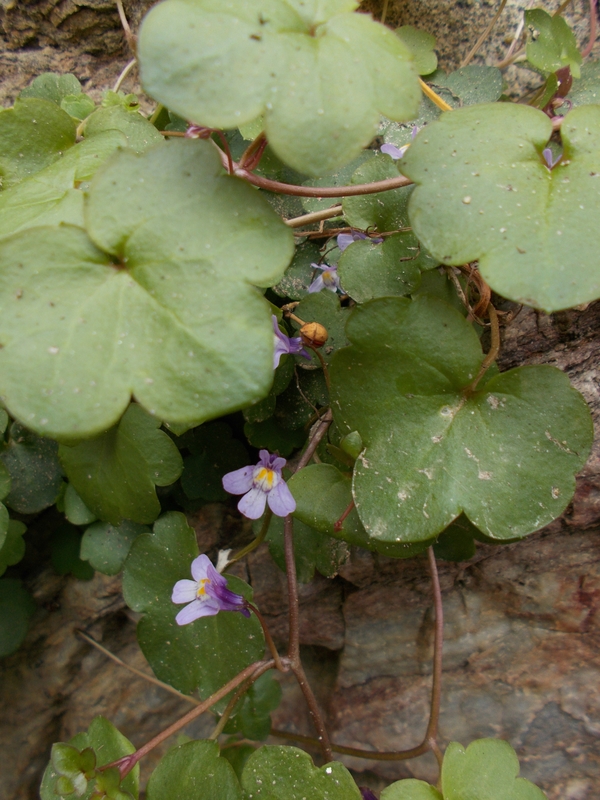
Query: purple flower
[344, 240]
[328, 279]
[393, 151]
[550, 162]
[366, 793]
[397, 152]
[284, 344]
[206, 595]
[260, 485]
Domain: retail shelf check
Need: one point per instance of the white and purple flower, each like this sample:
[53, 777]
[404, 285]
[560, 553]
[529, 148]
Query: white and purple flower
[328, 279]
[344, 240]
[284, 344]
[550, 161]
[261, 484]
[206, 595]
[397, 152]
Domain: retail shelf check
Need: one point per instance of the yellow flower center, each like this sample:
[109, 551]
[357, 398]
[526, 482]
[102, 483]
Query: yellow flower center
[265, 479]
[201, 593]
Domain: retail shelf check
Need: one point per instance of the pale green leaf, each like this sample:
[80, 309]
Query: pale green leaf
[139, 132]
[35, 472]
[421, 44]
[52, 86]
[486, 770]
[144, 315]
[552, 44]
[51, 196]
[225, 66]
[75, 509]
[484, 192]
[410, 789]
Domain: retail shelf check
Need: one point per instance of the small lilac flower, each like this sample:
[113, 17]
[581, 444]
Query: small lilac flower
[393, 151]
[284, 344]
[366, 793]
[260, 485]
[397, 152]
[328, 279]
[344, 240]
[550, 162]
[206, 595]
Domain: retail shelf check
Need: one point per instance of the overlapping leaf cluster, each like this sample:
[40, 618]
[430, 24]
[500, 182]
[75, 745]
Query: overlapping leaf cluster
[138, 281]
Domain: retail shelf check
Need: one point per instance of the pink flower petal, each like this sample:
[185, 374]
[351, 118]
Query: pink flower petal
[252, 505]
[281, 501]
[239, 481]
[197, 609]
[184, 591]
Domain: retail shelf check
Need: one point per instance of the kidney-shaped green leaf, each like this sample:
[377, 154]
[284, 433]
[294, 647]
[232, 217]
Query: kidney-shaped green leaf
[410, 789]
[552, 44]
[33, 134]
[115, 473]
[194, 771]
[487, 769]
[505, 454]
[205, 654]
[484, 192]
[83, 328]
[286, 773]
[225, 65]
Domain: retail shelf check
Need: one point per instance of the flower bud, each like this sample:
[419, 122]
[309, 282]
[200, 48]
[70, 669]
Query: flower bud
[314, 334]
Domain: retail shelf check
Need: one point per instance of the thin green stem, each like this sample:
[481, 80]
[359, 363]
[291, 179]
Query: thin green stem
[314, 216]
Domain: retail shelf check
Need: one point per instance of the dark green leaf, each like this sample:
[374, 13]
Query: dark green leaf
[484, 192]
[214, 453]
[473, 84]
[505, 454]
[323, 494]
[312, 550]
[421, 44]
[274, 437]
[279, 64]
[286, 773]
[253, 719]
[238, 756]
[587, 89]
[457, 542]
[551, 44]
[324, 307]
[382, 211]
[52, 86]
[298, 276]
[33, 134]
[75, 509]
[106, 546]
[36, 475]
[116, 473]
[486, 770]
[65, 546]
[341, 177]
[108, 744]
[16, 608]
[12, 548]
[194, 771]
[205, 654]
[387, 269]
